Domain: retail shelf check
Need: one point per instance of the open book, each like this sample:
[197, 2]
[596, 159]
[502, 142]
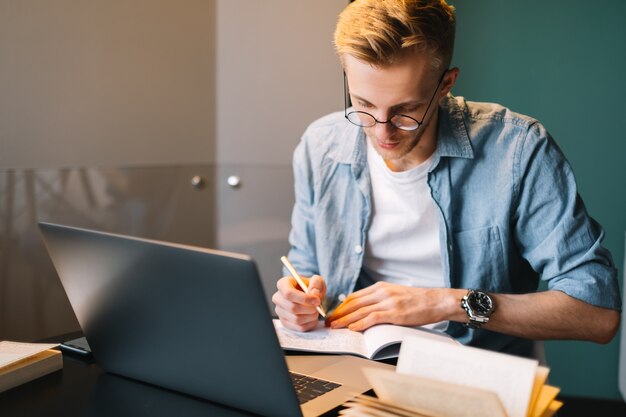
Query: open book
[365, 405]
[378, 342]
[436, 379]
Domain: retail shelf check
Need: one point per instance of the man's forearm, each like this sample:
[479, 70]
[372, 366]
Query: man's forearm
[546, 315]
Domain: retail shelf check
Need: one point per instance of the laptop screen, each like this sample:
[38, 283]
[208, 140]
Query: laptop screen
[186, 318]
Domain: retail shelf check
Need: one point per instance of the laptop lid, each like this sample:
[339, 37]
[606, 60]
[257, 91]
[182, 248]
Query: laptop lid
[186, 318]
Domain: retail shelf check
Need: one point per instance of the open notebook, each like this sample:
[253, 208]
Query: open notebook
[378, 342]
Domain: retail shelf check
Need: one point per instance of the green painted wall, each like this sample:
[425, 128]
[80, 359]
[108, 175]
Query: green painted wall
[563, 62]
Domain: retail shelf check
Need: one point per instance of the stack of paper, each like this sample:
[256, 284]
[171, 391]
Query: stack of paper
[22, 362]
[366, 406]
[444, 380]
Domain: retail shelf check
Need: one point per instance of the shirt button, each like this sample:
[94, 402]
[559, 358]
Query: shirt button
[341, 297]
[358, 249]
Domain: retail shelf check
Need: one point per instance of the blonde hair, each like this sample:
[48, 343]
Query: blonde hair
[383, 32]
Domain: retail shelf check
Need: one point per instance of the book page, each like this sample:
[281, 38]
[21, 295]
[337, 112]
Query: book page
[511, 377]
[545, 399]
[541, 376]
[364, 405]
[383, 335]
[553, 408]
[11, 352]
[321, 339]
[432, 397]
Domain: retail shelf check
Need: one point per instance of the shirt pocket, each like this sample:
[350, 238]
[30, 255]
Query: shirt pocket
[478, 259]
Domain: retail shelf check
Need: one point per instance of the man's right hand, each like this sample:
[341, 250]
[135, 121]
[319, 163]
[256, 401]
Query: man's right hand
[295, 308]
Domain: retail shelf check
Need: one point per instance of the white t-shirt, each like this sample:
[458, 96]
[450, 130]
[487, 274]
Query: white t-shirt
[403, 239]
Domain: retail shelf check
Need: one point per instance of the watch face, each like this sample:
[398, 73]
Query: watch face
[480, 303]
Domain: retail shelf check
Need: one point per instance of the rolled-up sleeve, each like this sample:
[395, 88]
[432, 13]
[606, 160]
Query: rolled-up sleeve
[553, 230]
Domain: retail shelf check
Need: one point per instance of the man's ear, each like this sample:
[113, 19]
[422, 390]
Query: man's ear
[449, 80]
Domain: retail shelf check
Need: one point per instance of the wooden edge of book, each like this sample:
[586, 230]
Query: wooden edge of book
[30, 368]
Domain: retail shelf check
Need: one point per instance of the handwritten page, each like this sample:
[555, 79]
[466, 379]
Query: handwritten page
[378, 342]
[511, 377]
[321, 339]
[11, 352]
[431, 397]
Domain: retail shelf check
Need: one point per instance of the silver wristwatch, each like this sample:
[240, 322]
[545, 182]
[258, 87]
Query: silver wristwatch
[479, 306]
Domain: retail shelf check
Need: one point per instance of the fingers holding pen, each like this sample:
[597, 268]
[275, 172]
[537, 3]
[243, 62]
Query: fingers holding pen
[294, 321]
[296, 309]
[317, 287]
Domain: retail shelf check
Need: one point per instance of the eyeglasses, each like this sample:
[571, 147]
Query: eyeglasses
[400, 121]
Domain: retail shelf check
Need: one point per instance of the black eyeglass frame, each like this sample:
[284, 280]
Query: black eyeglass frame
[346, 97]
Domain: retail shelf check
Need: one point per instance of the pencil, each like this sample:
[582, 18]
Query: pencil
[299, 280]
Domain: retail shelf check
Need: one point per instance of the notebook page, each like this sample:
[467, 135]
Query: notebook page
[321, 339]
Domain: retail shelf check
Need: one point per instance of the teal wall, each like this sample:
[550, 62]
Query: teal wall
[563, 62]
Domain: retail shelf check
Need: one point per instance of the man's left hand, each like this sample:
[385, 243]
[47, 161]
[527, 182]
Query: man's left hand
[396, 304]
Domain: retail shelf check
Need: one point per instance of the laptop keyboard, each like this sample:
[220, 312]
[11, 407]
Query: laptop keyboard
[309, 388]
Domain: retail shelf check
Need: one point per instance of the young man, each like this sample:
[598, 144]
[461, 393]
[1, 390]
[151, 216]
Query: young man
[415, 207]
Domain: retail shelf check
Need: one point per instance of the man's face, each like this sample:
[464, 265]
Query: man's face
[403, 88]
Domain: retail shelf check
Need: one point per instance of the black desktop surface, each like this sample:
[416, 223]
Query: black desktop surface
[82, 389]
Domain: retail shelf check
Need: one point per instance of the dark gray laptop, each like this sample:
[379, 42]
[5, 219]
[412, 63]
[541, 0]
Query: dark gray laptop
[189, 319]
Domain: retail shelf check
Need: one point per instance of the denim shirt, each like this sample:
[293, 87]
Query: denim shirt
[510, 212]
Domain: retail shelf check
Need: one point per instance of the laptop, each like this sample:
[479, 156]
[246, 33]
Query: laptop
[193, 320]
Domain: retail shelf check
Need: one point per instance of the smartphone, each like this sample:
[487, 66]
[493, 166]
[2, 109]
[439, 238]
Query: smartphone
[77, 346]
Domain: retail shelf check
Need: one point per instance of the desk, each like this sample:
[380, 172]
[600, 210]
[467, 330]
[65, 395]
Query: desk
[83, 389]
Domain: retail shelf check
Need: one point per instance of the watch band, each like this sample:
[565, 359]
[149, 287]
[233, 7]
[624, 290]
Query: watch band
[475, 323]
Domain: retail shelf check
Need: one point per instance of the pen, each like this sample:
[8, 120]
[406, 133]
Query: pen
[298, 278]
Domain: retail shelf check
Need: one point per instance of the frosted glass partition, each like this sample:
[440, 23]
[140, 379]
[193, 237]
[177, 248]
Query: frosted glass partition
[190, 204]
[254, 205]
